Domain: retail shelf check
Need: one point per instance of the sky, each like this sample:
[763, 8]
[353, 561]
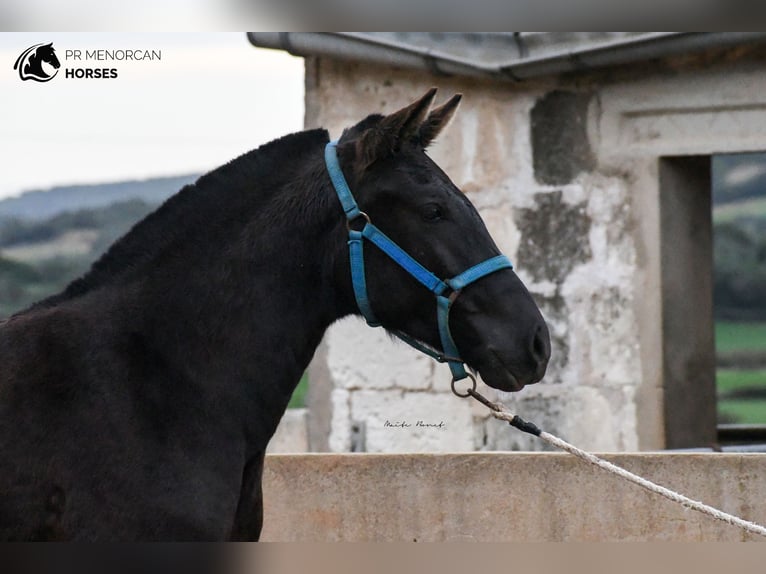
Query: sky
[211, 97]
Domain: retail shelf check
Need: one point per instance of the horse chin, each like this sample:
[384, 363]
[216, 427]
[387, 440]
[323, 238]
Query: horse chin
[501, 380]
[497, 375]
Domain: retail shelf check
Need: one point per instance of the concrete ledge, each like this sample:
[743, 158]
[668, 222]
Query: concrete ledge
[520, 497]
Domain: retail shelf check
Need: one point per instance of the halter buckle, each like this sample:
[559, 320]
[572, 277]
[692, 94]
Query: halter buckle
[441, 358]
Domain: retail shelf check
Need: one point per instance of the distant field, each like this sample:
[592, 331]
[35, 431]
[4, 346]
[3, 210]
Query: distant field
[728, 380]
[755, 207]
[742, 411]
[733, 337]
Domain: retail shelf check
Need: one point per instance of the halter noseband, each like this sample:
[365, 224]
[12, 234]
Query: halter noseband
[445, 291]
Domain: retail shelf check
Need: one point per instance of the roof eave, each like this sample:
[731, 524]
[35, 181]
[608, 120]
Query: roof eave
[368, 48]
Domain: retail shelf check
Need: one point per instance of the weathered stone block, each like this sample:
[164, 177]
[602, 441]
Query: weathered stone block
[398, 421]
[360, 357]
[291, 435]
[560, 147]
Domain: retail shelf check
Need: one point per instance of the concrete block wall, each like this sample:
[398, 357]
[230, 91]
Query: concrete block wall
[291, 435]
[566, 173]
[567, 238]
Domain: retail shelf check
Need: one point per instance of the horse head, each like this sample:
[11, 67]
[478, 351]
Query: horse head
[47, 54]
[496, 325]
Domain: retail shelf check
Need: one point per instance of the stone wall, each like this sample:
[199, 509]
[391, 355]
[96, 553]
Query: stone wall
[291, 435]
[566, 173]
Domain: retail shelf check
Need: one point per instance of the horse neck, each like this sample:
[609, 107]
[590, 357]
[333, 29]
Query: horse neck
[249, 306]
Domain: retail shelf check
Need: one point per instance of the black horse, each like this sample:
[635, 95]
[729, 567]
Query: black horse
[137, 404]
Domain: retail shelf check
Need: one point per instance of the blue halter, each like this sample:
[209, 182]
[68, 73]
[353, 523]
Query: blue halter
[445, 291]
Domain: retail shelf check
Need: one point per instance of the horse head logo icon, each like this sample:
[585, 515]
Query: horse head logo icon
[30, 63]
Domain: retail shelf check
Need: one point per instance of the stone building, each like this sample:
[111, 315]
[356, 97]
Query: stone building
[588, 156]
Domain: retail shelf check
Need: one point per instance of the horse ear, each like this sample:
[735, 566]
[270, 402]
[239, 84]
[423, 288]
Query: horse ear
[437, 120]
[387, 137]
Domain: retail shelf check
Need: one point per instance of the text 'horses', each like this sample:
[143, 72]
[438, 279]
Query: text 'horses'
[137, 404]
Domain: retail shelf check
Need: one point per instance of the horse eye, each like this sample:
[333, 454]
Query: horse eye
[431, 212]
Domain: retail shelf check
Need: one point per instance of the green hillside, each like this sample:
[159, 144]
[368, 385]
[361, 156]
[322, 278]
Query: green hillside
[40, 258]
[42, 204]
[50, 237]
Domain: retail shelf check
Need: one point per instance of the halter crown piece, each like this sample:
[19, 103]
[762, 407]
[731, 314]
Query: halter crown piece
[445, 291]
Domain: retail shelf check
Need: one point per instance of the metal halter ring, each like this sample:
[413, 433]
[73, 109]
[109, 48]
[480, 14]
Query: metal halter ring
[467, 393]
[361, 214]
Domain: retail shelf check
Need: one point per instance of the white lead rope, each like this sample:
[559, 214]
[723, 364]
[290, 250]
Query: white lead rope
[500, 413]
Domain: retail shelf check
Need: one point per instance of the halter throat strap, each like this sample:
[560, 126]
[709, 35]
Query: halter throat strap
[445, 291]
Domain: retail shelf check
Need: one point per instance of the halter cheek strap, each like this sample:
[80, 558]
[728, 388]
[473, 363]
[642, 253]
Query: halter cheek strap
[445, 291]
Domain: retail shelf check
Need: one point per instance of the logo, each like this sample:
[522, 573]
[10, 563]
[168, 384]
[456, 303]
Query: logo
[30, 63]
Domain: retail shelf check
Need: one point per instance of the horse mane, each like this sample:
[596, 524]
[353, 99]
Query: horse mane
[244, 184]
[356, 130]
